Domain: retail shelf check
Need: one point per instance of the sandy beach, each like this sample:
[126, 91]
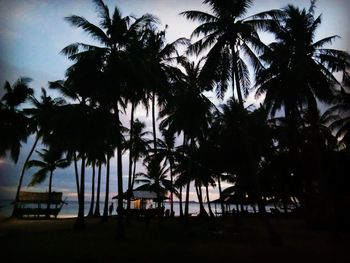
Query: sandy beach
[201, 240]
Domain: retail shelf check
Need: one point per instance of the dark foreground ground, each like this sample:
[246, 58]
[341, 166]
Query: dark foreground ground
[210, 240]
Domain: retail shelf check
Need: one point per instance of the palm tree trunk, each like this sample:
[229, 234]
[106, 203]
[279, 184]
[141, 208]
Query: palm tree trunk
[208, 201]
[235, 77]
[180, 202]
[171, 193]
[19, 186]
[97, 207]
[220, 196]
[105, 209]
[154, 122]
[187, 197]
[188, 183]
[50, 190]
[120, 227]
[130, 156]
[80, 223]
[133, 173]
[76, 173]
[202, 211]
[91, 211]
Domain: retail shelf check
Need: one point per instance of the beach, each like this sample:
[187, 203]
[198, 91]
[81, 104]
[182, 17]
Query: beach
[209, 240]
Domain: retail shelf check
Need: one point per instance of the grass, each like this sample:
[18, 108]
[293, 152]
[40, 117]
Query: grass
[201, 240]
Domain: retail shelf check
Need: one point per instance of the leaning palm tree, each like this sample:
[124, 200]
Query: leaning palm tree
[14, 124]
[39, 118]
[50, 160]
[228, 35]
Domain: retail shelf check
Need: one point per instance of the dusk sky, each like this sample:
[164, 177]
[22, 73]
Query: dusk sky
[33, 32]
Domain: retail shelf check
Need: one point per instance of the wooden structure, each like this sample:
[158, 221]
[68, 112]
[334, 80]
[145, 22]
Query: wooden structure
[36, 204]
[143, 203]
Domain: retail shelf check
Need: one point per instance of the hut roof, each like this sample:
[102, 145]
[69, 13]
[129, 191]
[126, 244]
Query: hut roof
[142, 194]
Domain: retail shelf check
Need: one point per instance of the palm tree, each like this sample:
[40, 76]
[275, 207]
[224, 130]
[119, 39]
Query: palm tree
[166, 151]
[50, 160]
[39, 118]
[16, 94]
[299, 72]
[92, 162]
[228, 36]
[138, 148]
[14, 124]
[187, 98]
[97, 206]
[155, 179]
[114, 34]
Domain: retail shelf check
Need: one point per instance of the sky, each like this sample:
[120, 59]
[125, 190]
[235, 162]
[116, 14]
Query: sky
[33, 32]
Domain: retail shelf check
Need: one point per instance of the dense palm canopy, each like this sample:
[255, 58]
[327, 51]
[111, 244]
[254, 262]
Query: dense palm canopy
[228, 35]
[299, 69]
[187, 110]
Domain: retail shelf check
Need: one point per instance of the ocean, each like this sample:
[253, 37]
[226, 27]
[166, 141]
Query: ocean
[71, 208]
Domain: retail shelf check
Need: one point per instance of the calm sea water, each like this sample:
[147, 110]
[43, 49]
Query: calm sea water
[71, 208]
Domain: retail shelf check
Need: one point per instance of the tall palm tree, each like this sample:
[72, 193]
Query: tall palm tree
[97, 206]
[159, 59]
[187, 98]
[114, 34]
[228, 35]
[50, 160]
[92, 162]
[299, 72]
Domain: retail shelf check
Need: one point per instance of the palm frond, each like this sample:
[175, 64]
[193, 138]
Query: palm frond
[35, 163]
[39, 176]
[103, 13]
[198, 16]
[243, 76]
[95, 32]
[327, 40]
[204, 29]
